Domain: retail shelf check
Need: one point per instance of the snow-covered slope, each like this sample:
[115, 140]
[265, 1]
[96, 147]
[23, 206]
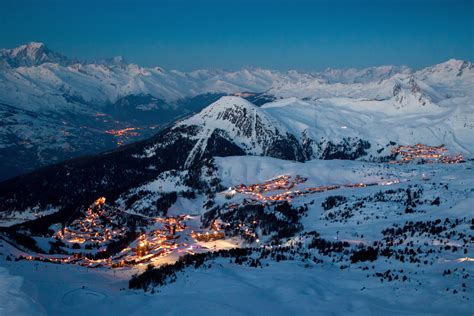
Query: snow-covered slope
[13, 300]
[375, 249]
[339, 120]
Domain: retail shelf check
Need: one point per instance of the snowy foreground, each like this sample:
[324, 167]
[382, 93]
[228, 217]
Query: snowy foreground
[330, 287]
[280, 289]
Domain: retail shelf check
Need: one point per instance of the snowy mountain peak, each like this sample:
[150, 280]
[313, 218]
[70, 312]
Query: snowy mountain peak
[407, 92]
[31, 47]
[31, 54]
[448, 69]
[225, 103]
[227, 111]
[231, 111]
[236, 124]
[455, 64]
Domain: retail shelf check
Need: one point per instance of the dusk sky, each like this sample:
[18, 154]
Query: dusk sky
[303, 35]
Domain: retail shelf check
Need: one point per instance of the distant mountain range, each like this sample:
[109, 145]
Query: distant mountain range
[53, 108]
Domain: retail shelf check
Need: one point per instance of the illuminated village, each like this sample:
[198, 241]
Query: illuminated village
[123, 134]
[96, 228]
[290, 218]
[425, 153]
[285, 183]
[88, 238]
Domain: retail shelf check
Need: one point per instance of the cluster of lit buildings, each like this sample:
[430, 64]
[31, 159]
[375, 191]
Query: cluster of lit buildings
[425, 153]
[208, 236]
[123, 134]
[205, 236]
[163, 236]
[146, 248]
[285, 182]
[98, 226]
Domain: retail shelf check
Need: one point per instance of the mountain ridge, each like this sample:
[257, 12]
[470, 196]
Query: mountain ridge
[68, 73]
[89, 107]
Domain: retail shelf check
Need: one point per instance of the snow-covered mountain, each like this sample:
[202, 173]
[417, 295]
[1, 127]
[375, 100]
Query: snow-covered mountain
[54, 107]
[228, 199]
[369, 126]
[237, 125]
[31, 54]
[34, 76]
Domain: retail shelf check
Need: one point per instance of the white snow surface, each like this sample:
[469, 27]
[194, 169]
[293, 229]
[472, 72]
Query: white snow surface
[288, 287]
[247, 169]
[377, 121]
[13, 301]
